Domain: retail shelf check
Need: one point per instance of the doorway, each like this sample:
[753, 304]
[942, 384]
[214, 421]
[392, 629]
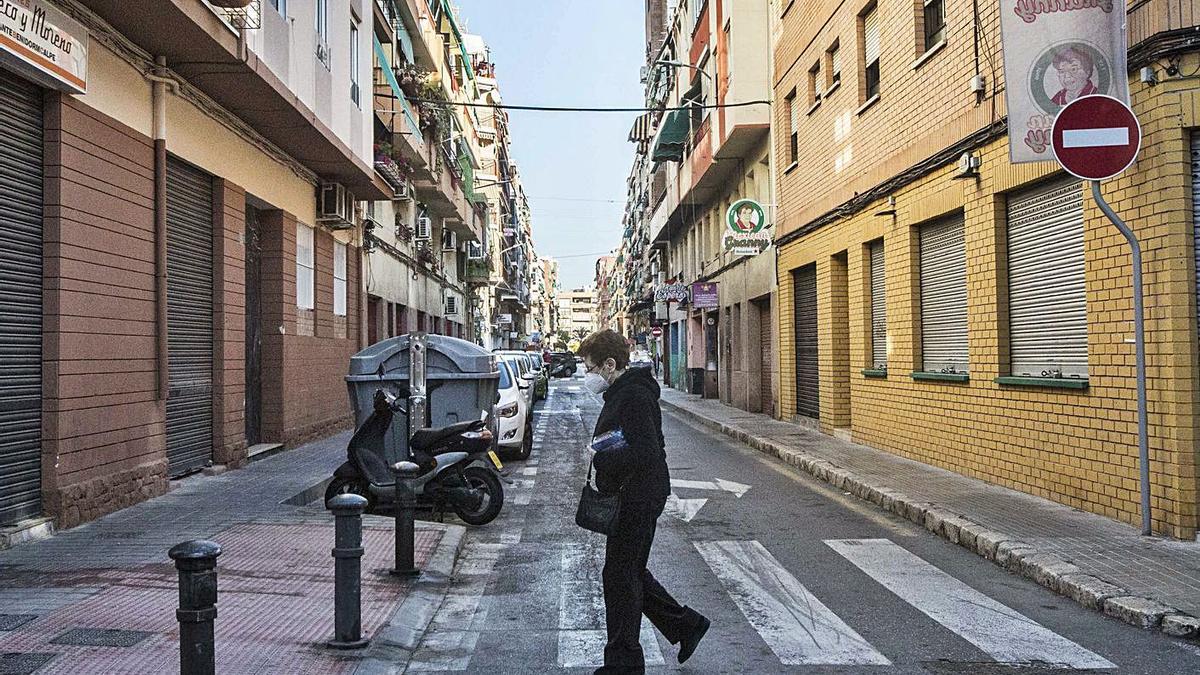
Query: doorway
[805, 335]
[253, 329]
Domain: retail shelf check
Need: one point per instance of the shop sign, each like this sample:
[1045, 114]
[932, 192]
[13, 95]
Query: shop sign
[705, 296]
[671, 293]
[747, 231]
[1056, 51]
[504, 319]
[44, 44]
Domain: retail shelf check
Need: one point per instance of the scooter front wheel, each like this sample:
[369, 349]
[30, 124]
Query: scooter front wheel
[354, 486]
[485, 480]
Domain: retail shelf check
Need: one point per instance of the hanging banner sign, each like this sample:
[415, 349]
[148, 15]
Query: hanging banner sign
[40, 42]
[704, 295]
[747, 232]
[672, 293]
[504, 319]
[1056, 51]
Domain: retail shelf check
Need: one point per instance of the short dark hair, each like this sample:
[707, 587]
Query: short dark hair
[605, 344]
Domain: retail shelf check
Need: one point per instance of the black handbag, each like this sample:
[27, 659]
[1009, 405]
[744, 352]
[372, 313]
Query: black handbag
[597, 511]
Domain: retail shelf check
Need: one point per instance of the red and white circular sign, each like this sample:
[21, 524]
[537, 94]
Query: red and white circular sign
[1096, 137]
[656, 331]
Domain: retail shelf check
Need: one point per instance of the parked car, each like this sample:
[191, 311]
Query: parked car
[527, 377]
[541, 383]
[640, 358]
[514, 421]
[562, 364]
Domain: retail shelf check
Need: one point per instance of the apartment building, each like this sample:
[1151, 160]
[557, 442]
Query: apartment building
[577, 312]
[707, 154]
[938, 301]
[182, 259]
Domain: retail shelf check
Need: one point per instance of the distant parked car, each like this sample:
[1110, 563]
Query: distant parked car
[515, 421]
[640, 358]
[530, 371]
[562, 364]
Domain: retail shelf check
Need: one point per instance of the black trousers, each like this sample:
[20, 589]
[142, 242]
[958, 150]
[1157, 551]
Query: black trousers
[631, 591]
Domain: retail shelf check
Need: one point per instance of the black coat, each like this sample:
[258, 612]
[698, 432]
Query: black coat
[639, 471]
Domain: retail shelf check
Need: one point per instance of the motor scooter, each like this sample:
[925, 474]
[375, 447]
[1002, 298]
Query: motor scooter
[458, 466]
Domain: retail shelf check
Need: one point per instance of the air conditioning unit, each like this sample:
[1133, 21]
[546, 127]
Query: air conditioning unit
[449, 240]
[402, 193]
[644, 74]
[451, 305]
[335, 208]
[424, 229]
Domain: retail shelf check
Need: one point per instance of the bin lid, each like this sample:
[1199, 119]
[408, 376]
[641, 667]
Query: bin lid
[446, 358]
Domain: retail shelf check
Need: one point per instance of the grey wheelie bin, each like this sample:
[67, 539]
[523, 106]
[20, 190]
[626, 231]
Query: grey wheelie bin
[461, 383]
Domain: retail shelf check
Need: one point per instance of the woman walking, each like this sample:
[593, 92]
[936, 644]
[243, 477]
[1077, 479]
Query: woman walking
[638, 473]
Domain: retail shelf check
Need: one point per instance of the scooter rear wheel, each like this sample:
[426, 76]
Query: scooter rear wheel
[353, 486]
[484, 479]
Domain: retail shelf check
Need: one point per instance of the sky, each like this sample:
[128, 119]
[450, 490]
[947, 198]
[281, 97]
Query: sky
[573, 165]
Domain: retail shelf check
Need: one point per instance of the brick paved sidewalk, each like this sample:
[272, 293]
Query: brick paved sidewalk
[275, 576]
[1103, 564]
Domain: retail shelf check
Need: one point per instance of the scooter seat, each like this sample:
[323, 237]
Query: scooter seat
[425, 439]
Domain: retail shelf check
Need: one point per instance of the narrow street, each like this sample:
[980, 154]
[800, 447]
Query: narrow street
[796, 576]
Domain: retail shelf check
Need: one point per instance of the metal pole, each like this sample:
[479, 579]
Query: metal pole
[347, 574]
[406, 506]
[417, 402]
[1139, 338]
[197, 563]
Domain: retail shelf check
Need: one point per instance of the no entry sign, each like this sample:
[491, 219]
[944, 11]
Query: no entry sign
[1096, 137]
[656, 331]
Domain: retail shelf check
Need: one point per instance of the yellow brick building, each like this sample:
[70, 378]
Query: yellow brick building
[994, 349]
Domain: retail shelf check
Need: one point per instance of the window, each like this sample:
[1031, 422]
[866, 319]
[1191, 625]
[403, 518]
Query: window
[793, 123]
[869, 39]
[323, 20]
[814, 84]
[697, 9]
[878, 307]
[934, 18]
[280, 6]
[943, 278]
[339, 279]
[304, 266]
[354, 65]
[833, 66]
[1047, 308]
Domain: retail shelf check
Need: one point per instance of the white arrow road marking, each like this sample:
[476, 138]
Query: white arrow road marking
[794, 623]
[1095, 138]
[581, 611]
[683, 509]
[1003, 633]
[719, 484]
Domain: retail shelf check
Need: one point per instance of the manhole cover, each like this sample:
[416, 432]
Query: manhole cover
[101, 637]
[15, 621]
[12, 663]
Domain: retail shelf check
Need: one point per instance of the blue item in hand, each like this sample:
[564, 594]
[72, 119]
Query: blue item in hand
[610, 440]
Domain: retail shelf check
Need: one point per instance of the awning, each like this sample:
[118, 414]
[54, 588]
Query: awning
[448, 18]
[672, 137]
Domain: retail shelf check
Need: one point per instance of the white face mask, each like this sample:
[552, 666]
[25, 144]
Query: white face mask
[595, 383]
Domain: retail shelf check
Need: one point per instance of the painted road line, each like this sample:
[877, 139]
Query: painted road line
[1001, 632]
[450, 641]
[737, 489]
[683, 509]
[1095, 138]
[793, 622]
[529, 471]
[581, 636]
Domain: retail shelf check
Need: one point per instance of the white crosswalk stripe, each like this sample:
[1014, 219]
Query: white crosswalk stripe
[1000, 631]
[794, 623]
[451, 638]
[581, 635]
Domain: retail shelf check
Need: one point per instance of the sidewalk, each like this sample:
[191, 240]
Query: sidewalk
[275, 576]
[1149, 582]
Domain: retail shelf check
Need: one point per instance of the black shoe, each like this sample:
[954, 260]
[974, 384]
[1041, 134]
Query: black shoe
[688, 644]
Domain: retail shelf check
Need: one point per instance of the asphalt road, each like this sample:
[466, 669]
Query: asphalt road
[796, 577]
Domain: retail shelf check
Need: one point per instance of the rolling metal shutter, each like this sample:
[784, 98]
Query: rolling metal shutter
[878, 308]
[1047, 315]
[808, 373]
[943, 297]
[1196, 213]
[189, 317]
[21, 170]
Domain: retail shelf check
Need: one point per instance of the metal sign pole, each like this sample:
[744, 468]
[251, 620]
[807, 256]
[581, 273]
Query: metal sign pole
[417, 401]
[1139, 337]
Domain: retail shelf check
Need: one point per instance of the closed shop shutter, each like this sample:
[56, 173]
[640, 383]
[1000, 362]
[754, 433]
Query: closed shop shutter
[1047, 312]
[1196, 213]
[766, 384]
[943, 297]
[808, 380]
[189, 317]
[878, 308]
[21, 301]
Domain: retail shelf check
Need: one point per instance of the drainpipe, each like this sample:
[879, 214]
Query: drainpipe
[158, 96]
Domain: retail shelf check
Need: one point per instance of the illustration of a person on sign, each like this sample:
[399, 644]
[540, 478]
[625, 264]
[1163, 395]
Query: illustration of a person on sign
[745, 218]
[1075, 69]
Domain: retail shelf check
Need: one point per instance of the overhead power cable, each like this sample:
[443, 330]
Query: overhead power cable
[547, 108]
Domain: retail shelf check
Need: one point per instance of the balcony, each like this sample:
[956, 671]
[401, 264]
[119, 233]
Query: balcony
[393, 109]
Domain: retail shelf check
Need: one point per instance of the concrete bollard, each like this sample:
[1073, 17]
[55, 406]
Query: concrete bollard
[197, 565]
[347, 574]
[406, 474]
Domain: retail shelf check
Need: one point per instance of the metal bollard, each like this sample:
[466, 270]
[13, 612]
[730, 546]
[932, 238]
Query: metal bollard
[197, 562]
[347, 574]
[406, 506]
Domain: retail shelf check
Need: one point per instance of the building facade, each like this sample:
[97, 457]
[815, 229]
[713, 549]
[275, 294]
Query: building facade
[576, 313]
[971, 313]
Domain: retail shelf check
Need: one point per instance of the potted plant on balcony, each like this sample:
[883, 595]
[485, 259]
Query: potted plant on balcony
[391, 164]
